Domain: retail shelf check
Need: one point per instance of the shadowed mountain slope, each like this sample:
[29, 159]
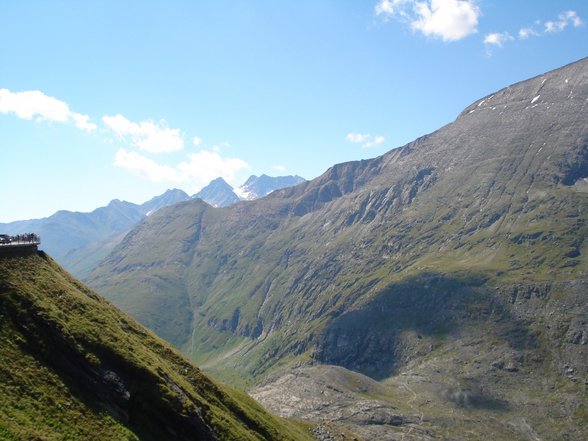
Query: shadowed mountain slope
[474, 235]
[74, 367]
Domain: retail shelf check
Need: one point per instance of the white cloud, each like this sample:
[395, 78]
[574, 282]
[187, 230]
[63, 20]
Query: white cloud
[198, 170]
[205, 166]
[357, 138]
[389, 8]
[497, 38]
[365, 139]
[563, 20]
[35, 104]
[449, 20]
[525, 33]
[279, 168]
[83, 122]
[145, 167]
[146, 135]
[384, 7]
[221, 145]
[197, 140]
[377, 140]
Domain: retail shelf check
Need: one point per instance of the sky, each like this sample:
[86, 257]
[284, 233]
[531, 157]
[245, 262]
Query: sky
[125, 99]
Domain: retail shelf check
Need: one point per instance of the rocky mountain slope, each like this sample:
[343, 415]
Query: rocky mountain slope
[74, 367]
[78, 241]
[452, 271]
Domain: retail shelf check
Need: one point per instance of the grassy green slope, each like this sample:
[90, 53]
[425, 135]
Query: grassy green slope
[73, 366]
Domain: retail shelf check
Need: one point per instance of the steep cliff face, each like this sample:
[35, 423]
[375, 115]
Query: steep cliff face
[74, 366]
[474, 235]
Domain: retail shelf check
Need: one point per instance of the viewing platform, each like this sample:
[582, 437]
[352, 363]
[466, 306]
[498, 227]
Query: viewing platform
[19, 243]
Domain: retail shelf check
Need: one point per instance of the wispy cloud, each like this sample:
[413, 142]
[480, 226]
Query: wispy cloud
[220, 146]
[525, 33]
[448, 20]
[365, 139]
[498, 38]
[279, 168]
[197, 140]
[34, 104]
[387, 9]
[357, 138]
[376, 140]
[146, 135]
[564, 19]
[199, 169]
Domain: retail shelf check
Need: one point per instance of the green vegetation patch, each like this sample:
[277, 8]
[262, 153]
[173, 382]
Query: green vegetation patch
[79, 367]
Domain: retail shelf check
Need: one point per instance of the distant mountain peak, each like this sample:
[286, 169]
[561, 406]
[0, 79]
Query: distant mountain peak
[70, 235]
[220, 180]
[250, 180]
[217, 193]
[220, 194]
[257, 187]
[174, 191]
[170, 197]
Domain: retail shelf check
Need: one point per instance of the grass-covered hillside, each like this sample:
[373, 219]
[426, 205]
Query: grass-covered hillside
[74, 367]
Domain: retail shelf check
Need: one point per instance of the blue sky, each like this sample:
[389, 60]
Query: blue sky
[113, 99]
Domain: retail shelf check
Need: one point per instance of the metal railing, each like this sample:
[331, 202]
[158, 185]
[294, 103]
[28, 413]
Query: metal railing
[19, 240]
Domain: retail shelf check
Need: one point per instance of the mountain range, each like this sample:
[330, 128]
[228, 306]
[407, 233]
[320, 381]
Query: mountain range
[436, 291]
[79, 241]
[220, 194]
